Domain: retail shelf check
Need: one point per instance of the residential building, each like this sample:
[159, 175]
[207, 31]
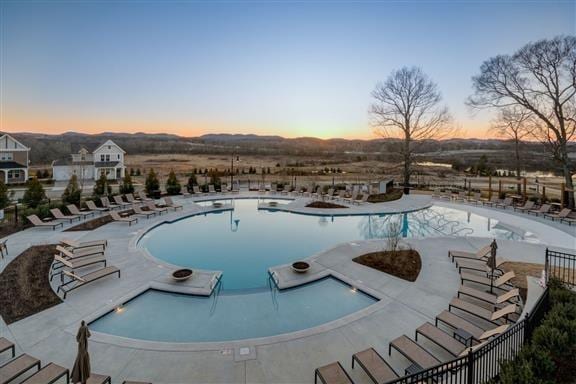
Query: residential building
[14, 159]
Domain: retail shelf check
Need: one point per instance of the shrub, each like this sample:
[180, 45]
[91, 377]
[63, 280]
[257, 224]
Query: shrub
[152, 184]
[72, 194]
[34, 194]
[102, 187]
[173, 186]
[191, 182]
[127, 186]
[4, 196]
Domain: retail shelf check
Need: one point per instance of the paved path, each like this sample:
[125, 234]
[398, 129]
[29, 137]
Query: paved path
[291, 358]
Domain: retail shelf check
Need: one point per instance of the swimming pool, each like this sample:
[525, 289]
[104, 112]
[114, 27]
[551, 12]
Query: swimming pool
[244, 242]
[174, 317]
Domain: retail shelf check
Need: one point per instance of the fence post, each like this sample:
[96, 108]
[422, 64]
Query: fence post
[16, 213]
[470, 369]
[546, 267]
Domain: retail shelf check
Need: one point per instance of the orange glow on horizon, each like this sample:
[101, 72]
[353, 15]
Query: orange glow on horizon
[53, 125]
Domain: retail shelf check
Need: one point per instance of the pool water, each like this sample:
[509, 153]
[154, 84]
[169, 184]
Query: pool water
[244, 242]
[173, 317]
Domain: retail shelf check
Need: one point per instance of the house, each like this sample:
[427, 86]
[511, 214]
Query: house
[107, 159]
[14, 159]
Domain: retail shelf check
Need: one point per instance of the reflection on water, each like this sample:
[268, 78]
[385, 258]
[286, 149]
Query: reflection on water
[245, 242]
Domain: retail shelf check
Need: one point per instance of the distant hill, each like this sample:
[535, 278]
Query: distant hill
[46, 148]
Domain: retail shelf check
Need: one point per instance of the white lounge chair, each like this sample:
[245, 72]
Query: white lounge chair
[75, 211]
[128, 219]
[35, 220]
[58, 215]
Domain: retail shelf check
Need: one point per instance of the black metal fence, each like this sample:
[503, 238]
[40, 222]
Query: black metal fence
[482, 363]
[561, 266]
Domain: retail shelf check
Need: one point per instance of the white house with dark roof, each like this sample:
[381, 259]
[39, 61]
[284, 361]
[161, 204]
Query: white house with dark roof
[107, 159]
[14, 159]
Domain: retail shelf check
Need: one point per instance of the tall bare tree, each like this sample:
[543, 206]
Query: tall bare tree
[514, 123]
[407, 106]
[541, 78]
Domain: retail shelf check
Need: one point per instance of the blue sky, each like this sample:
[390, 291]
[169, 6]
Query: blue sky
[290, 68]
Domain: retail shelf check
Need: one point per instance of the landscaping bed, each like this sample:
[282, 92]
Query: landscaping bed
[24, 286]
[324, 204]
[385, 197]
[404, 263]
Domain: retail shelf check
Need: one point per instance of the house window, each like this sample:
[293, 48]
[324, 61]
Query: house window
[15, 174]
[6, 156]
[107, 157]
[101, 157]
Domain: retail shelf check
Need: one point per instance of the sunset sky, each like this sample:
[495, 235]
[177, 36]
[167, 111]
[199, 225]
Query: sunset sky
[293, 68]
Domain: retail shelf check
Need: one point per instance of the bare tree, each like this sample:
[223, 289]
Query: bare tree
[407, 106]
[513, 123]
[540, 78]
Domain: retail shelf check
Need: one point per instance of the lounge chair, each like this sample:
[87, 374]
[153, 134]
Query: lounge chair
[211, 189]
[129, 219]
[333, 373]
[143, 196]
[477, 265]
[58, 215]
[477, 332]
[501, 282]
[352, 198]
[79, 252]
[196, 190]
[528, 206]
[16, 367]
[135, 382]
[7, 345]
[363, 199]
[138, 211]
[49, 374]
[170, 204]
[477, 198]
[79, 281]
[481, 312]
[152, 207]
[118, 200]
[494, 200]
[74, 245]
[131, 199]
[374, 365]
[75, 211]
[507, 202]
[440, 338]
[489, 297]
[107, 204]
[560, 215]
[35, 220]
[478, 255]
[99, 379]
[74, 264]
[544, 209]
[92, 206]
[413, 352]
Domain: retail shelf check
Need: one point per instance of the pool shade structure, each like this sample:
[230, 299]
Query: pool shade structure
[492, 263]
[81, 369]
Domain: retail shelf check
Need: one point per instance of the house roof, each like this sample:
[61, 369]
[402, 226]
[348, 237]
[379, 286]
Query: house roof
[18, 145]
[68, 161]
[11, 165]
[109, 142]
[106, 164]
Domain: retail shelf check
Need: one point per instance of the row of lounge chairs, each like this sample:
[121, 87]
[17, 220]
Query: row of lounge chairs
[473, 317]
[565, 215]
[73, 256]
[130, 203]
[16, 367]
[342, 196]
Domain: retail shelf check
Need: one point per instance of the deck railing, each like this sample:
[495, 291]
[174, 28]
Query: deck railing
[561, 266]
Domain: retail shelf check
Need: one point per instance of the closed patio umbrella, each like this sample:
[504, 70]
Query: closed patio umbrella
[492, 263]
[81, 369]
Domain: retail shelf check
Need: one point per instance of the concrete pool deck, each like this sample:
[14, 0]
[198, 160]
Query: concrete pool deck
[403, 306]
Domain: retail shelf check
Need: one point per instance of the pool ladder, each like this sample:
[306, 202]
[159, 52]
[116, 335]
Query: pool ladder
[215, 287]
[273, 285]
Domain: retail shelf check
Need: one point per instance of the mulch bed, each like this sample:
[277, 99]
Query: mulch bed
[24, 286]
[405, 263]
[385, 197]
[324, 204]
